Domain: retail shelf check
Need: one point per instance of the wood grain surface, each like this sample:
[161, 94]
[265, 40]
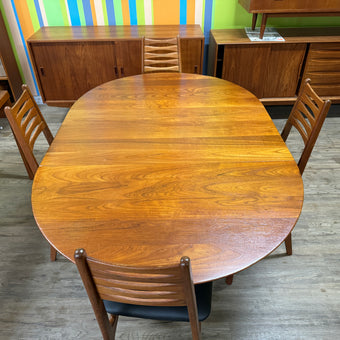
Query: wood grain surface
[149, 168]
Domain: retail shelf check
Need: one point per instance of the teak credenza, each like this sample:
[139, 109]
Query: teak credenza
[69, 61]
[288, 8]
[273, 70]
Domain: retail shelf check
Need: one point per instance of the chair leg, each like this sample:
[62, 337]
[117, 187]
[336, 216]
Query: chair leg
[53, 254]
[229, 279]
[113, 319]
[288, 244]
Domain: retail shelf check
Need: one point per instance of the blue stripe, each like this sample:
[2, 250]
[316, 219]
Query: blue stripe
[88, 12]
[74, 12]
[133, 12]
[207, 18]
[24, 45]
[183, 12]
[37, 8]
[110, 12]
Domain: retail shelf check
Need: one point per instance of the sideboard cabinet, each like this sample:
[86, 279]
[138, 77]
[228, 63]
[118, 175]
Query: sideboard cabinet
[273, 71]
[69, 61]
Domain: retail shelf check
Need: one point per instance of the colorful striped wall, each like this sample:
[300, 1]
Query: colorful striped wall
[24, 17]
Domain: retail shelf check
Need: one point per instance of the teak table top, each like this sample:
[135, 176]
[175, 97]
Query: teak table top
[148, 168]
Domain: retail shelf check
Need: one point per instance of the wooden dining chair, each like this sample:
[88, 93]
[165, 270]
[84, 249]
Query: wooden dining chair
[27, 123]
[161, 55]
[160, 293]
[307, 117]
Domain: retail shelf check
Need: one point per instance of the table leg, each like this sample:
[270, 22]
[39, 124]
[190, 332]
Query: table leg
[253, 25]
[263, 24]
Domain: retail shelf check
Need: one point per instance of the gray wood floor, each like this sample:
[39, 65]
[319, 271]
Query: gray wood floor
[281, 297]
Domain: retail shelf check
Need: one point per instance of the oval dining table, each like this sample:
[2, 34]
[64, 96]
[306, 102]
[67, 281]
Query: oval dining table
[148, 168]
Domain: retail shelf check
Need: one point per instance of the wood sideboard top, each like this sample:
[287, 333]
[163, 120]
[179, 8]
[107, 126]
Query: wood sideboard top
[291, 35]
[62, 33]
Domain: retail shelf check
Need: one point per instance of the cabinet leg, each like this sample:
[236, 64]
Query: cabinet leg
[253, 24]
[263, 24]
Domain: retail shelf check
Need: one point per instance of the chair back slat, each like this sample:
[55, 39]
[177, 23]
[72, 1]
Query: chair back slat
[307, 116]
[27, 123]
[145, 286]
[161, 55]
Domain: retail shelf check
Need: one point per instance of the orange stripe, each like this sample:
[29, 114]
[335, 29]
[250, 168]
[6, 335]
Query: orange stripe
[126, 12]
[24, 18]
[190, 12]
[94, 15]
[166, 12]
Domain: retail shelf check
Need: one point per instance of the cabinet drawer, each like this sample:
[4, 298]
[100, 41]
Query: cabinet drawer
[323, 68]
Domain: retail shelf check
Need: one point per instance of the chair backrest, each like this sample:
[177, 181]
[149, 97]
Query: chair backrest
[161, 55]
[27, 123]
[307, 116]
[159, 286]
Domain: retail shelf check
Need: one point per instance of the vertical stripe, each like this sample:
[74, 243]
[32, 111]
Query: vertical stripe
[99, 12]
[88, 12]
[26, 26]
[117, 4]
[43, 13]
[148, 6]
[207, 18]
[126, 12]
[110, 12]
[38, 11]
[65, 12]
[81, 12]
[140, 12]
[133, 12]
[74, 13]
[190, 12]
[183, 12]
[213, 10]
[12, 41]
[198, 12]
[24, 52]
[166, 12]
[34, 14]
[93, 12]
[53, 13]
[105, 14]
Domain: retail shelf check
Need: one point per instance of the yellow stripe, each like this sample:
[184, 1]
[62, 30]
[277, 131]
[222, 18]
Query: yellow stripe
[190, 12]
[166, 12]
[126, 12]
[94, 15]
[24, 18]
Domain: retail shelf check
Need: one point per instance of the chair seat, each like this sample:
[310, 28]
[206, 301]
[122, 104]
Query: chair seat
[203, 296]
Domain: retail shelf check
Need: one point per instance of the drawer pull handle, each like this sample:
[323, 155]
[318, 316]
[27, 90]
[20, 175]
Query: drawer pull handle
[42, 71]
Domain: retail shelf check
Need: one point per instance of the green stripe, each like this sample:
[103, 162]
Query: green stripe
[64, 13]
[152, 12]
[53, 13]
[2, 9]
[118, 12]
[106, 20]
[203, 16]
[213, 14]
[140, 12]
[81, 12]
[33, 14]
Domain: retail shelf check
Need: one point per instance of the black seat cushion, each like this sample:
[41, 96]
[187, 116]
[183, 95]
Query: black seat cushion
[203, 296]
